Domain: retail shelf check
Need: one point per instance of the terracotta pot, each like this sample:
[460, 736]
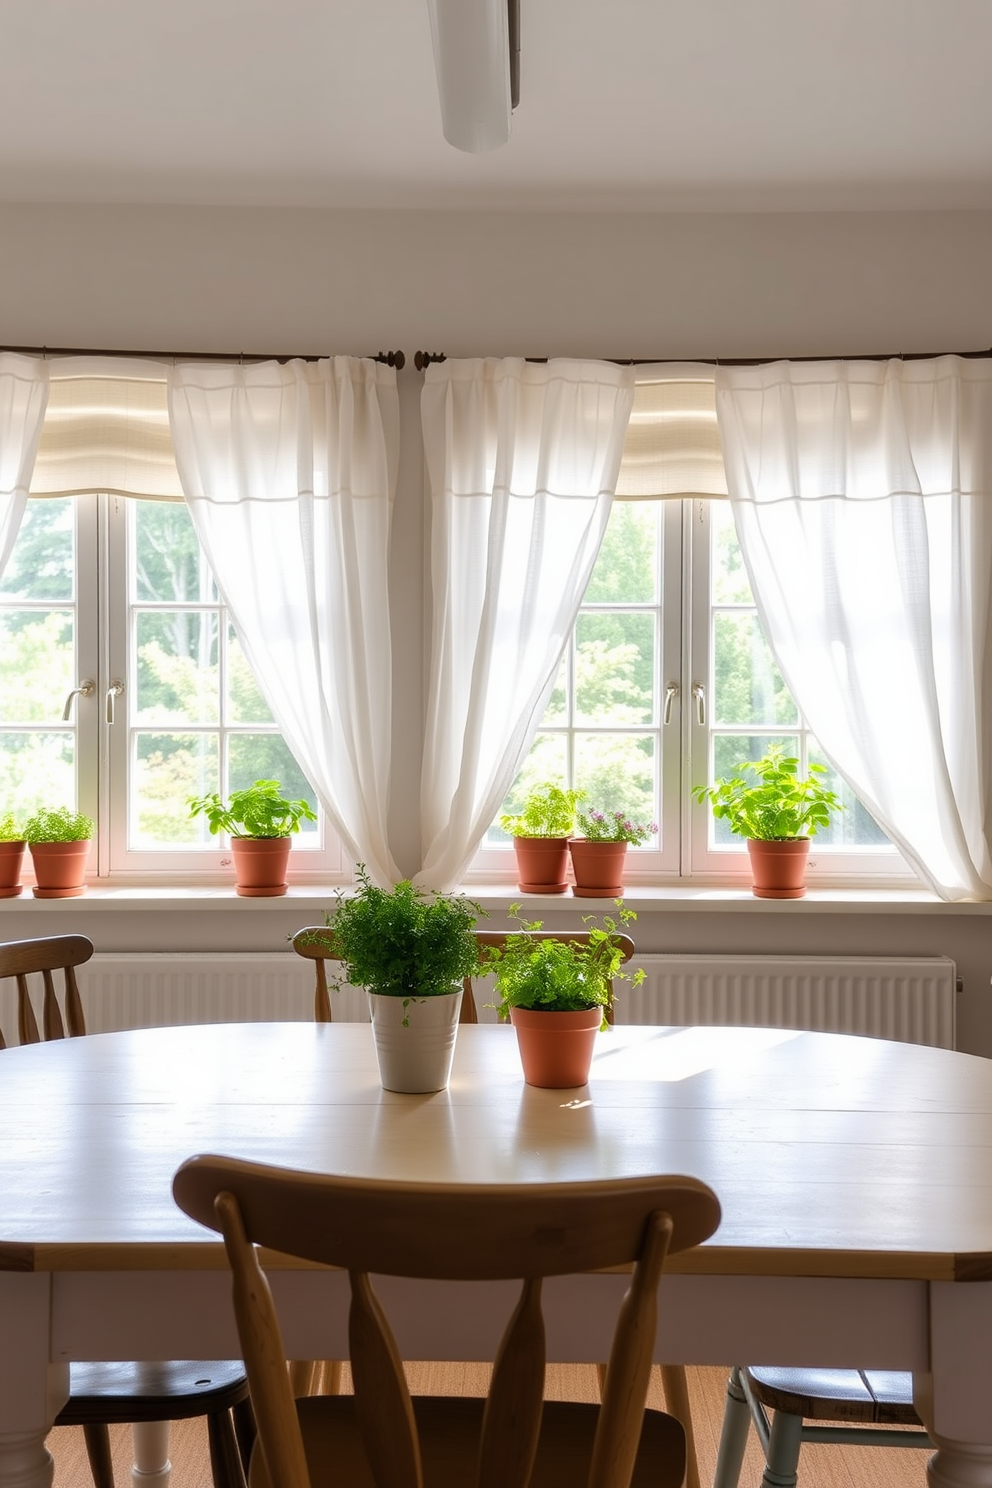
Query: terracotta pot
[778, 869]
[260, 865]
[598, 868]
[542, 863]
[556, 1048]
[11, 858]
[415, 1040]
[60, 868]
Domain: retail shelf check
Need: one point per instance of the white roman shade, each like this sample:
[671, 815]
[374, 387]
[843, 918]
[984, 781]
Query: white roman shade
[672, 448]
[107, 429]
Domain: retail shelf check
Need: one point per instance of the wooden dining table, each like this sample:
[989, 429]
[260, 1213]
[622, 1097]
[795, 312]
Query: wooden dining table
[854, 1175]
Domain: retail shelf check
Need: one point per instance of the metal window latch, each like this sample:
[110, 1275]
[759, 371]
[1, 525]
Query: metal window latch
[114, 690]
[671, 693]
[85, 689]
[699, 693]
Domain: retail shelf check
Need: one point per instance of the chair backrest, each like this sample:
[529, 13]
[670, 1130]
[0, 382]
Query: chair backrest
[499, 938]
[314, 943]
[24, 958]
[456, 1232]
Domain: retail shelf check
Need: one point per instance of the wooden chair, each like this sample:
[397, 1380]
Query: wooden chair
[307, 1377]
[458, 1232]
[109, 1394]
[866, 1401]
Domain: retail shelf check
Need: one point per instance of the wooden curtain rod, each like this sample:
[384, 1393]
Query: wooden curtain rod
[424, 359]
[390, 358]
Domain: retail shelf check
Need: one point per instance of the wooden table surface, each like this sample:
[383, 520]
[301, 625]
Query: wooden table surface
[832, 1156]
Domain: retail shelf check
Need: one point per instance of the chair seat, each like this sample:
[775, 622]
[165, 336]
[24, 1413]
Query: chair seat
[872, 1396]
[449, 1428]
[122, 1392]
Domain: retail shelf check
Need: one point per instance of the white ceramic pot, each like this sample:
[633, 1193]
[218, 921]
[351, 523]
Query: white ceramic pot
[415, 1040]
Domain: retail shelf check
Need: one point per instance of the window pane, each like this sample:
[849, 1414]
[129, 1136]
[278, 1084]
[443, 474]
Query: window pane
[627, 566]
[178, 677]
[747, 685]
[43, 563]
[728, 752]
[168, 769]
[617, 772]
[168, 563]
[614, 667]
[245, 703]
[729, 577]
[38, 664]
[37, 770]
[266, 757]
[546, 762]
[851, 828]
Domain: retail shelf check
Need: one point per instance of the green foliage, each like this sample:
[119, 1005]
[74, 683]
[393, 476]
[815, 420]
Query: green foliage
[58, 824]
[9, 830]
[559, 976]
[767, 800]
[257, 811]
[549, 811]
[402, 942]
[597, 826]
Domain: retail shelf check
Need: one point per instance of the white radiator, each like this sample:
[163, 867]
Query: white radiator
[910, 1000]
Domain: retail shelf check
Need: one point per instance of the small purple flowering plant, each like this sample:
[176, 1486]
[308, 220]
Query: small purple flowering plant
[615, 826]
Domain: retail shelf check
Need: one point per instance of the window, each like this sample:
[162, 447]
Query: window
[668, 681]
[124, 690]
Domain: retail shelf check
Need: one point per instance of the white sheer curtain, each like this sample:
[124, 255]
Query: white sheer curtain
[522, 461]
[290, 473]
[23, 399]
[862, 494]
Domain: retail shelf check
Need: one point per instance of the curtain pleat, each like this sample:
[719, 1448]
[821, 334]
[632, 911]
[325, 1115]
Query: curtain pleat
[290, 473]
[23, 399]
[522, 462]
[862, 495]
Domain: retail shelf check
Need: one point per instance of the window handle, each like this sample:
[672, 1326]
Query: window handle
[85, 689]
[699, 693]
[671, 693]
[114, 690]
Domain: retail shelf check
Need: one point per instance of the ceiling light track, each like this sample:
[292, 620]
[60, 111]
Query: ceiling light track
[477, 61]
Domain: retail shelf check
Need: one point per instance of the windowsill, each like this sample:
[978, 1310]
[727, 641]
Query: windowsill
[310, 901]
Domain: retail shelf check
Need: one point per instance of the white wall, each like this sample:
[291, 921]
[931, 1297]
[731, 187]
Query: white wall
[495, 284]
[667, 287]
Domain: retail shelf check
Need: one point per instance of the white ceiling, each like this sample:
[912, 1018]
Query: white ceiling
[625, 104]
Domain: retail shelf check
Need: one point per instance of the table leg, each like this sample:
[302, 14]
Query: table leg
[955, 1399]
[32, 1391]
[150, 1441]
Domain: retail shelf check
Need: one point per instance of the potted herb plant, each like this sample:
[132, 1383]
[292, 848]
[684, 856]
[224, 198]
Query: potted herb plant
[411, 951]
[555, 990]
[11, 855]
[766, 803]
[540, 837]
[600, 853]
[59, 843]
[259, 821]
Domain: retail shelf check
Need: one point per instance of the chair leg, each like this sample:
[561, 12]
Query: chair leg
[245, 1430]
[676, 1388]
[152, 1468]
[782, 1468]
[733, 1436]
[97, 1438]
[225, 1456]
